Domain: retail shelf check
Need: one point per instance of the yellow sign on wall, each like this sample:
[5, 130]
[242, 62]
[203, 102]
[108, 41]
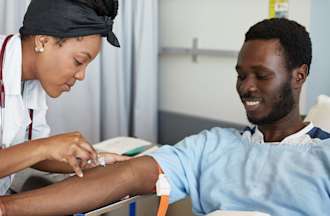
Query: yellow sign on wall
[278, 8]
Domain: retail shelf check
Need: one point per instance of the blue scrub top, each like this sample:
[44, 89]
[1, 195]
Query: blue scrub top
[224, 169]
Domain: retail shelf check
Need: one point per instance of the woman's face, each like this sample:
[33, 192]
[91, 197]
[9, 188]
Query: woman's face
[62, 63]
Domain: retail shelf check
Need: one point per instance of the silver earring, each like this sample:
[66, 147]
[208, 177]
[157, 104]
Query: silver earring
[39, 50]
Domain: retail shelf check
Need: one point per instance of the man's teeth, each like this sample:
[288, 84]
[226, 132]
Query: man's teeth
[252, 103]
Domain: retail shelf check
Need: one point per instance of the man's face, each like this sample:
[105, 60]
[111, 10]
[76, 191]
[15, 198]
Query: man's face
[264, 82]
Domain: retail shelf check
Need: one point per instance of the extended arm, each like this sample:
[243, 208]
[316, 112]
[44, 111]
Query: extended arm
[98, 187]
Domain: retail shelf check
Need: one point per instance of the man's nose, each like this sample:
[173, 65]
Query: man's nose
[248, 85]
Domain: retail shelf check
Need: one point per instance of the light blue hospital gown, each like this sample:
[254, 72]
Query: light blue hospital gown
[224, 169]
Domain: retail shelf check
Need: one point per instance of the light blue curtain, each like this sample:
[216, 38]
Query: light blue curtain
[134, 82]
[119, 95]
[11, 15]
[145, 69]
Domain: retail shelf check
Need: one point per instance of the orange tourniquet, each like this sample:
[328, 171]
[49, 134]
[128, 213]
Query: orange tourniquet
[164, 199]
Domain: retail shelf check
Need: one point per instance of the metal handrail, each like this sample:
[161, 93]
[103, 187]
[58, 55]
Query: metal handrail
[195, 51]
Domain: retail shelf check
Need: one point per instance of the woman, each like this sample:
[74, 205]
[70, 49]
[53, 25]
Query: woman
[56, 43]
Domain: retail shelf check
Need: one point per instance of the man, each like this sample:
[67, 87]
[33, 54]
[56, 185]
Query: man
[279, 167]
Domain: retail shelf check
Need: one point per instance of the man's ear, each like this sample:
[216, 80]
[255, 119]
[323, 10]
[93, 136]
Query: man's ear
[299, 76]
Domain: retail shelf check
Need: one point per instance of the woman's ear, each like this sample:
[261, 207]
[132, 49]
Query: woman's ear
[299, 76]
[40, 42]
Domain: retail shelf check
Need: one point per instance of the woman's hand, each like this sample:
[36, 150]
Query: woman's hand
[71, 148]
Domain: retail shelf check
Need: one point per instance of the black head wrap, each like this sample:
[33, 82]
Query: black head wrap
[71, 18]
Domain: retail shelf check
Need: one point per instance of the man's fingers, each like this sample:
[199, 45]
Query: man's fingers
[112, 157]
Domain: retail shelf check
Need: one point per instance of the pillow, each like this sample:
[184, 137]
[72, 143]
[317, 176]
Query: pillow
[320, 113]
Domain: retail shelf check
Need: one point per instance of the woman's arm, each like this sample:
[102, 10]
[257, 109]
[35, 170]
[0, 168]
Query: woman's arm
[69, 148]
[98, 187]
[53, 166]
[21, 156]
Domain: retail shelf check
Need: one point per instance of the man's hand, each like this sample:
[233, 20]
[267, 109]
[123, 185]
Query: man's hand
[111, 158]
[106, 157]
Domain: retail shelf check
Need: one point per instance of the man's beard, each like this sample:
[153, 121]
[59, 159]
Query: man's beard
[280, 108]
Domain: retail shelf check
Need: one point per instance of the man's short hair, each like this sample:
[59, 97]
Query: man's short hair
[293, 37]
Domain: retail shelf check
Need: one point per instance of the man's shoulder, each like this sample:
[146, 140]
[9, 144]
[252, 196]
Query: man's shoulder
[210, 138]
[224, 132]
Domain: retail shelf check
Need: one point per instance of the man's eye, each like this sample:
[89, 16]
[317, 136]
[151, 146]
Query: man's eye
[240, 77]
[262, 77]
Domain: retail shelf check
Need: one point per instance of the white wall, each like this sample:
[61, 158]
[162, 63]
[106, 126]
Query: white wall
[207, 88]
[319, 79]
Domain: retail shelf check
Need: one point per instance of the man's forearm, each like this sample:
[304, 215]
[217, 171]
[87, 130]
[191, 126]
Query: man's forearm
[97, 188]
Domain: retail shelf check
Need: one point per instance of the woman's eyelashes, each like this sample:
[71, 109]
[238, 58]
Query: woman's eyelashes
[77, 62]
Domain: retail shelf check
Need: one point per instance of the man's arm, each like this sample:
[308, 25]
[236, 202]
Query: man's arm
[98, 187]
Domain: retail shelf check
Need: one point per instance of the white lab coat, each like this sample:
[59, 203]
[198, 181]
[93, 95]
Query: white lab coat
[16, 114]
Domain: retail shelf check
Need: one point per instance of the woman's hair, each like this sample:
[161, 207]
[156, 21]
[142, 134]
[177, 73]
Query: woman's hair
[70, 18]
